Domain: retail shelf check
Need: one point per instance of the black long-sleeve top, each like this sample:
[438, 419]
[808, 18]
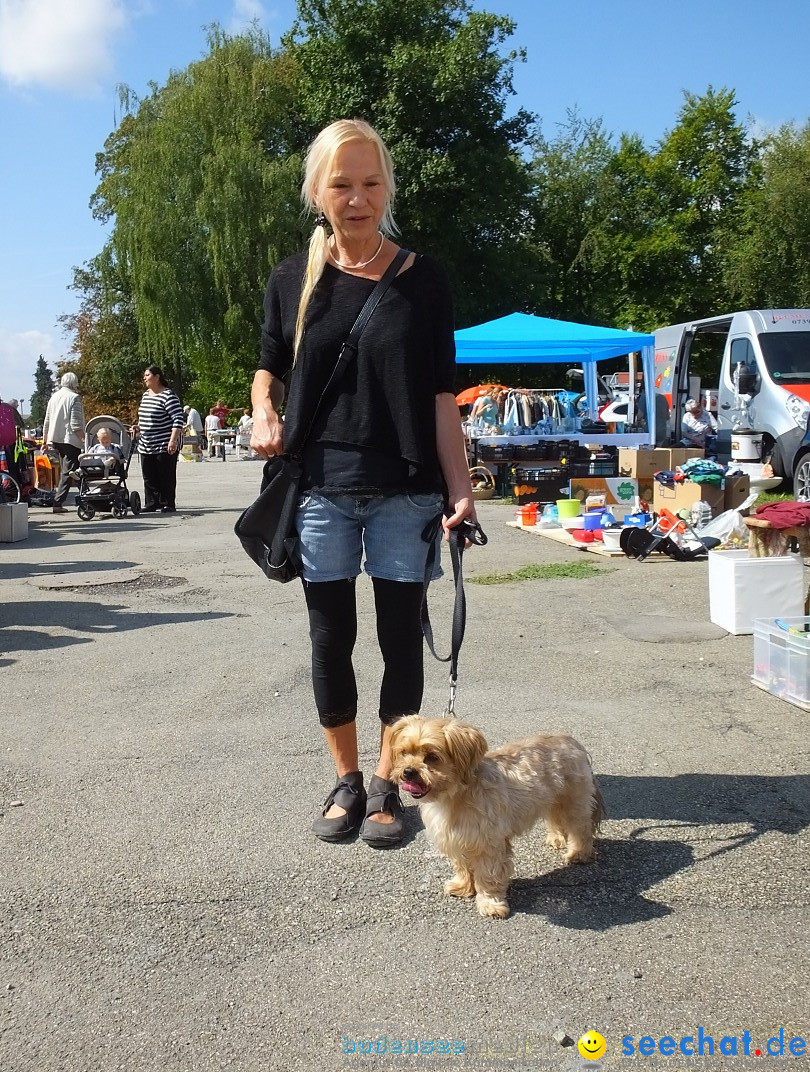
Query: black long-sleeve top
[377, 431]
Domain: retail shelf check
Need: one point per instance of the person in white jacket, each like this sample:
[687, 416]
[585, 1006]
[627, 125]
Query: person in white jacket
[64, 431]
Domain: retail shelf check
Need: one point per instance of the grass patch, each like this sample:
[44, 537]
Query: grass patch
[551, 571]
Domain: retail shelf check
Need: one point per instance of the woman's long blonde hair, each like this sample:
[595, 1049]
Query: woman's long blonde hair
[319, 160]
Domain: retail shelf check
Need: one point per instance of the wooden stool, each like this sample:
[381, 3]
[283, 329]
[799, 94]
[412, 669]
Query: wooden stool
[764, 541]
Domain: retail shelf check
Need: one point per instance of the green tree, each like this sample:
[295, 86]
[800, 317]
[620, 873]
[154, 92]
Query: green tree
[768, 256]
[431, 76]
[107, 357]
[675, 207]
[43, 389]
[201, 183]
[571, 211]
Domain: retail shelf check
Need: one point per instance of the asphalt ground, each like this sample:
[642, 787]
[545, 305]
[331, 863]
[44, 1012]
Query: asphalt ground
[163, 905]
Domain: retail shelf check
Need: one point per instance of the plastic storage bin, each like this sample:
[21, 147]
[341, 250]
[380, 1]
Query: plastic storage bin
[742, 588]
[782, 659]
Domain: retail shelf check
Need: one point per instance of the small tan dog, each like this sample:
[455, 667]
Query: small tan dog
[473, 801]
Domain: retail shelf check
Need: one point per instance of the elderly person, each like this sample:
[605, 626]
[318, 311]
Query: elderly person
[697, 423]
[160, 430]
[63, 431]
[378, 457]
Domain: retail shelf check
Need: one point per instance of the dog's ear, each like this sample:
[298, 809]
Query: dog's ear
[397, 729]
[466, 745]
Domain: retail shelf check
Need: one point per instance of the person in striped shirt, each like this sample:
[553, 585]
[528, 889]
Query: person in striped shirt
[160, 429]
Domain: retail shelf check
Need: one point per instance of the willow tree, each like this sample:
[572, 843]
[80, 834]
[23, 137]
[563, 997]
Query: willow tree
[201, 181]
[768, 256]
[434, 78]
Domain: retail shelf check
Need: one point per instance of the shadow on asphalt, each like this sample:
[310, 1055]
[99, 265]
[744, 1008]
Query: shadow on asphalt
[31, 622]
[611, 892]
[23, 570]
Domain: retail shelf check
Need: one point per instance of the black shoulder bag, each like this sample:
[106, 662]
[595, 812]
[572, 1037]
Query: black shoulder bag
[266, 529]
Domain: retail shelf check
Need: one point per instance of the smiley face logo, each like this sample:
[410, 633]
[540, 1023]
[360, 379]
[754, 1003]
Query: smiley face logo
[592, 1046]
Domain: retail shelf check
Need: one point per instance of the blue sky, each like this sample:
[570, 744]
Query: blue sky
[61, 60]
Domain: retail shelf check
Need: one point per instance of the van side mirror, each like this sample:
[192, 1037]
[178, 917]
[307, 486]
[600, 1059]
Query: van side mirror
[747, 379]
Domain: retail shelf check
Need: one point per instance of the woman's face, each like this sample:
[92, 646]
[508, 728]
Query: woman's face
[150, 381]
[355, 194]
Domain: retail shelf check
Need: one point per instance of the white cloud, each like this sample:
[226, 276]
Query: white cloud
[60, 44]
[19, 353]
[244, 12]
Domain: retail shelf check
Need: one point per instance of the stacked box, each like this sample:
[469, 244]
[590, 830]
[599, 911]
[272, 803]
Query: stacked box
[641, 464]
[738, 489]
[618, 491]
[742, 588]
[13, 522]
[782, 659]
[684, 496]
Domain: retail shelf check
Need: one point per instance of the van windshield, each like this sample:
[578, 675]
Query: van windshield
[787, 355]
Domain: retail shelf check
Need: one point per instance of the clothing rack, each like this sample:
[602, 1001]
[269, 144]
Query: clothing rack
[545, 410]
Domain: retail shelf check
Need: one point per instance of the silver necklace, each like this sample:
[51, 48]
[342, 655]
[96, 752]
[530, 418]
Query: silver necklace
[354, 267]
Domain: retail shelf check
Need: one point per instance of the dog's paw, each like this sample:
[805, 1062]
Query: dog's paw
[459, 887]
[556, 841]
[491, 907]
[579, 855]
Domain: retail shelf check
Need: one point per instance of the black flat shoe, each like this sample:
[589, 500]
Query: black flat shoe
[349, 794]
[383, 796]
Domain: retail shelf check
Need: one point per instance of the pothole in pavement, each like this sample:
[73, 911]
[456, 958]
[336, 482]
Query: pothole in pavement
[149, 580]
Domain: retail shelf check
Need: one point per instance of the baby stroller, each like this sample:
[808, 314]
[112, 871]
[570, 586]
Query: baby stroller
[102, 482]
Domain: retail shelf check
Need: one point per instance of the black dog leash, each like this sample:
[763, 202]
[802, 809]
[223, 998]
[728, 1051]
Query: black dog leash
[458, 536]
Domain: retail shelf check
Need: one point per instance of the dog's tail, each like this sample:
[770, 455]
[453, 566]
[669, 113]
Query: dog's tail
[598, 809]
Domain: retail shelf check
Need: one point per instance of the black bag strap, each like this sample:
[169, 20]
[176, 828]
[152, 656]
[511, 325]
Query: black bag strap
[348, 351]
[458, 536]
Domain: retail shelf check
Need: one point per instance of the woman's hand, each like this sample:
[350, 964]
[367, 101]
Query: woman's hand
[174, 441]
[453, 461]
[267, 433]
[463, 507]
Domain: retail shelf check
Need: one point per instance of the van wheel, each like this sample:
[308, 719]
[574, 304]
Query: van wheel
[801, 479]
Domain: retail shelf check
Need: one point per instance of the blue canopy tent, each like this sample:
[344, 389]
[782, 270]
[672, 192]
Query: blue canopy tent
[524, 339]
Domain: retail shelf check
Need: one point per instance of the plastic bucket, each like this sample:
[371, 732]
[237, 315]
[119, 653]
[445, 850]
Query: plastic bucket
[528, 514]
[568, 507]
[746, 446]
[592, 521]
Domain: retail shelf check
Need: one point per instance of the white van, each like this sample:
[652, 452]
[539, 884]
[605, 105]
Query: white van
[762, 354]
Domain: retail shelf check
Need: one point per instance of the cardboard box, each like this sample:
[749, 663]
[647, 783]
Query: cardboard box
[738, 488]
[618, 490]
[742, 588]
[684, 496]
[13, 522]
[640, 463]
[679, 455]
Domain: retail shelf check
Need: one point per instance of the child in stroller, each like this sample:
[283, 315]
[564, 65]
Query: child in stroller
[103, 469]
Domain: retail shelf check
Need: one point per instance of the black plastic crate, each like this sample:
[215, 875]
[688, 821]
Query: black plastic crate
[490, 452]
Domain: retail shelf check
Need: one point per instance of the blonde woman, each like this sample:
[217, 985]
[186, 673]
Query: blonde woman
[385, 454]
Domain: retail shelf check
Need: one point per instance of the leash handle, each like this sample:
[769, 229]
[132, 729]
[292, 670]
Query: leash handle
[458, 537]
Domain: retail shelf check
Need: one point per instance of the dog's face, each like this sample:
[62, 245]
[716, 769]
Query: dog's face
[431, 755]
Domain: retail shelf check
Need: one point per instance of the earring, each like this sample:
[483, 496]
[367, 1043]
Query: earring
[321, 220]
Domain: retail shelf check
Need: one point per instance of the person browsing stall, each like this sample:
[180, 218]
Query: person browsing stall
[379, 456]
[160, 430]
[63, 430]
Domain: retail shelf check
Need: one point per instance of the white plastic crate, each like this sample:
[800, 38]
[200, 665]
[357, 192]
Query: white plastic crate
[742, 588]
[782, 659]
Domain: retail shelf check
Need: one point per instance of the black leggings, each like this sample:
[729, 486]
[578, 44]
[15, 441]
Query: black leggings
[333, 629]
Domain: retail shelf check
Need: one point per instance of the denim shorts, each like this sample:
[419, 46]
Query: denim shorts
[335, 529]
